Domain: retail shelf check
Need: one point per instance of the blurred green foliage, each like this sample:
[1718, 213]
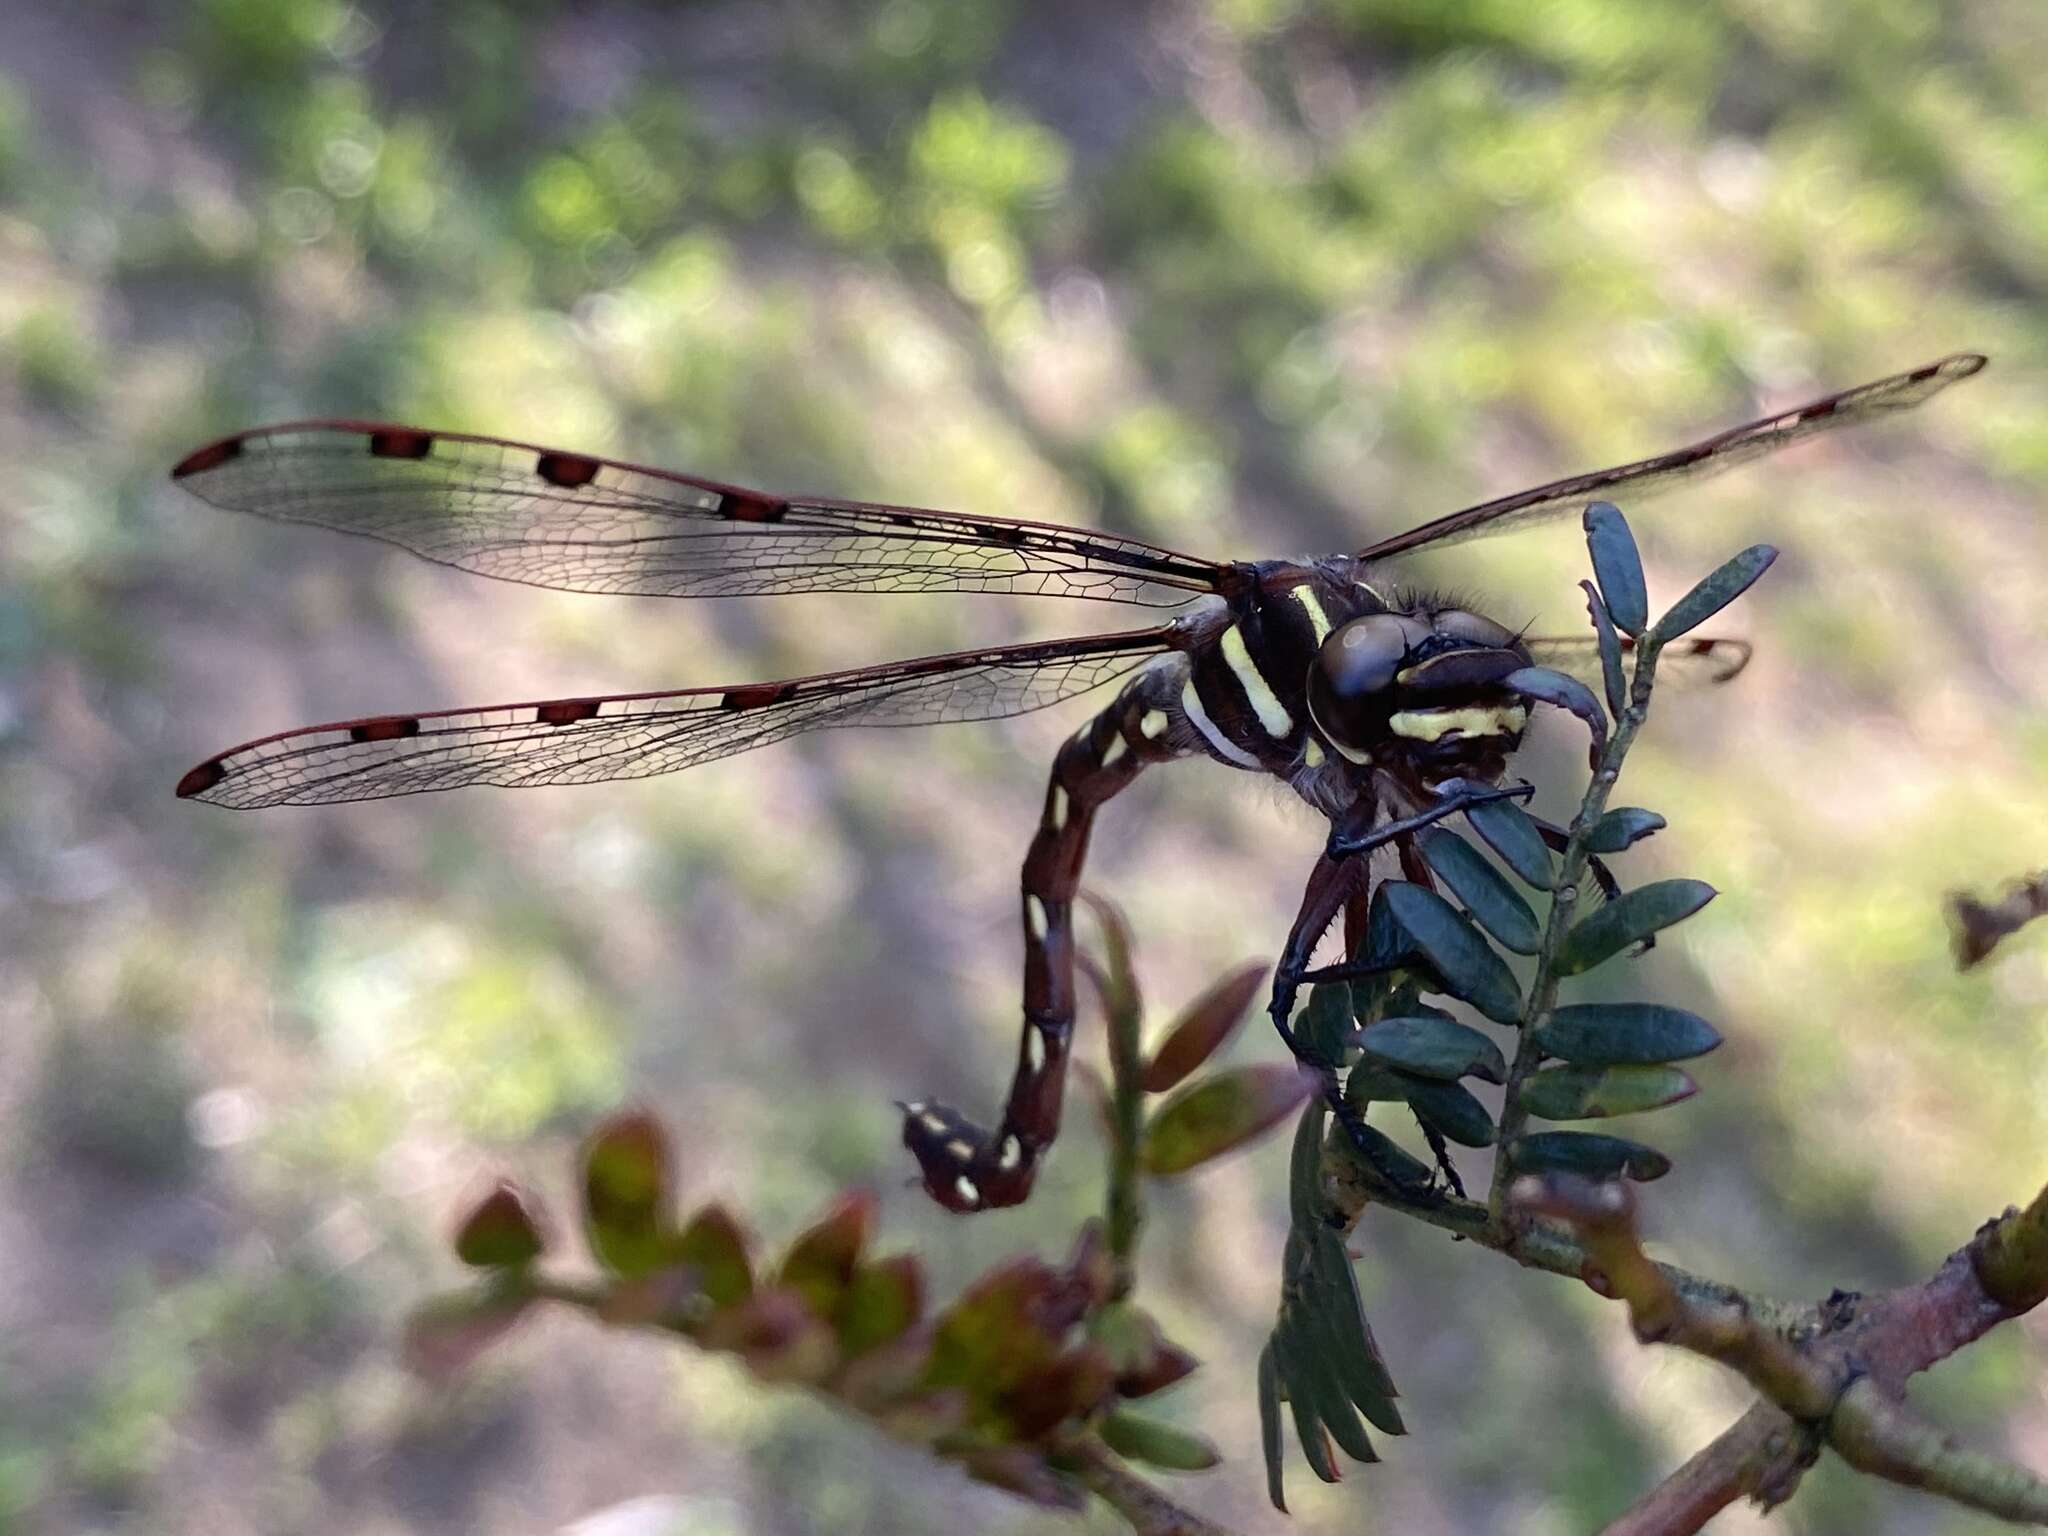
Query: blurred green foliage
[1250, 277]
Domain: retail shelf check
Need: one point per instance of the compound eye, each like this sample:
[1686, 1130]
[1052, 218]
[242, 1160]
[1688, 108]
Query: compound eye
[1360, 658]
[1471, 628]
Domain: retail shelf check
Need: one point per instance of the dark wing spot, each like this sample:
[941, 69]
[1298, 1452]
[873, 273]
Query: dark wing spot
[199, 780]
[1001, 533]
[756, 695]
[1816, 412]
[400, 443]
[212, 456]
[745, 507]
[566, 469]
[564, 711]
[389, 728]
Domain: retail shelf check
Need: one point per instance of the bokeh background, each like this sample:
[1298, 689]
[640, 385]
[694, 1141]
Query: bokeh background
[1250, 277]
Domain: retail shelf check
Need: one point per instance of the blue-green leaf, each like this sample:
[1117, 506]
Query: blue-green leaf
[1510, 833]
[1623, 1034]
[1455, 949]
[1593, 1093]
[1431, 1046]
[1617, 566]
[1629, 918]
[1497, 906]
[1587, 1154]
[1621, 827]
[1713, 594]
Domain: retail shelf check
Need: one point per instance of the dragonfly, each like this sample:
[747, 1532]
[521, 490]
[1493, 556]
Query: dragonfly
[1382, 705]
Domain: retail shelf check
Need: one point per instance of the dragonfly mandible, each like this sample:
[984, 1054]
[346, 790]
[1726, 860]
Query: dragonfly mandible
[1366, 697]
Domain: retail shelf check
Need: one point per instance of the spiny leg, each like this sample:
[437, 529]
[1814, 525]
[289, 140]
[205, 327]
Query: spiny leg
[965, 1168]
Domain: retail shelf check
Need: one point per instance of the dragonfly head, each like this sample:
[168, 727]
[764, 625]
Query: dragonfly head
[1420, 691]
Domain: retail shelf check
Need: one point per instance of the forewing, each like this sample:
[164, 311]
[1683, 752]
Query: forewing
[1725, 450]
[581, 741]
[1692, 659]
[525, 513]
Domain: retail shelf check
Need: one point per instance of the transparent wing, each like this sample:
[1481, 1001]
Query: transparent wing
[525, 513]
[581, 741]
[1725, 450]
[1692, 659]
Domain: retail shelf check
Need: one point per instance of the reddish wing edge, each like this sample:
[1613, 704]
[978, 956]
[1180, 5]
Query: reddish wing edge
[522, 512]
[1693, 658]
[635, 734]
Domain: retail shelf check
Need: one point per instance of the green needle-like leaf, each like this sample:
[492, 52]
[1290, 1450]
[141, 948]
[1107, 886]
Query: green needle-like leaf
[1628, 919]
[1269, 1426]
[1617, 566]
[1612, 678]
[1716, 592]
[1624, 1034]
[1593, 1093]
[1497, 906]
[1587, 1154]
[1456, 950]
[1431, 1046]
[1510, 833]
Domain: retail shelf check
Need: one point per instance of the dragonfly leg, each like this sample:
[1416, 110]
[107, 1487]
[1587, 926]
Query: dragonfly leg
[1555, 838]
[965, 1168]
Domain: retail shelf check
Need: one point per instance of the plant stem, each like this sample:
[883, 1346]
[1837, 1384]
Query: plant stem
[1564, 902]
[1124, 1206]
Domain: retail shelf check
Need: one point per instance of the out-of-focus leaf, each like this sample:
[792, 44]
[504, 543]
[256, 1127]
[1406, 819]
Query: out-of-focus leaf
[1450, 1109]
[821, 1261]
[1593, 1093]
[1429, 1046]
[1156, 1443]
[1003, 1328]
[1717, 591]
[1141, 1356]
[777, 1334]
[502, 1232]
[1091, 1272]
[626, 1183]
[881, 1302]
[1075, 1384]
[1496, 906]
[1269, 1426]
[1119, 978]
[1617, 566]
[1455, 949]
[1510, 833]
[1629, 918]
[1566, 692]
[1621, 827]
[1613, 680]
[1205, 1119]
[1325, 1024]
[713, 1245]
[1587, 1154]
[1616, 1034]
[921, 1418]
[897, 1372]
[1202, 1028]
[443, 1335]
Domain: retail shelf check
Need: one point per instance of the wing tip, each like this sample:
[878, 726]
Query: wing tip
[197, 781]
[212, 456]
[1960, 365]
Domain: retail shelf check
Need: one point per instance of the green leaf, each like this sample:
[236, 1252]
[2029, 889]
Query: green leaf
[881, 1302]
[1430, 1046]
[1341, 1332]
[1617, 566]
[1510, 833]
[1585, 1153]
[1566, 692]
[1140, 1437]
[1450, 1109]
[1628, 919]
[1612, 678]
[626, 1181]
[1621, 827]
[1318, 1397]
[1593, 1093]
[502, 1232]
[1202, 1027]
[1118, 978]
[1455, 949]
[443, 1335]
[713, 1245]
[1305, 1199]
[1713, 594]
[1497, 906]
[1619, 1034]
[1269, 1426]
[821, 1261]
[1225, 1110]
[1388, 1159]
[1325, 1026]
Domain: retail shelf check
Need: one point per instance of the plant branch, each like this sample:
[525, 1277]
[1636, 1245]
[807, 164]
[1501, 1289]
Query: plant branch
[1148, 1511]
[1760, 1455]
[1564, 903]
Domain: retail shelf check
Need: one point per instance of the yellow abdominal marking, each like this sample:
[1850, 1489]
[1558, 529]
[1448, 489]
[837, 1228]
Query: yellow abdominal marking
[1114, 750]
[1435, 724]
[1265, 703]
[1312, 754]
[1153, 724]
[1318, 620]
[959, 1150]
[1034, 914]
[1059, 808]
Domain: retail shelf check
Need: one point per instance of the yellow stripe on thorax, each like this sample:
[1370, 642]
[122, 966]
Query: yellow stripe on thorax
[1258, 692]
[1319, 621]
[1481, 720]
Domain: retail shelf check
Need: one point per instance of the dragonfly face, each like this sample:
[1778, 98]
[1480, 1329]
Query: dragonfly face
[1310, 672]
